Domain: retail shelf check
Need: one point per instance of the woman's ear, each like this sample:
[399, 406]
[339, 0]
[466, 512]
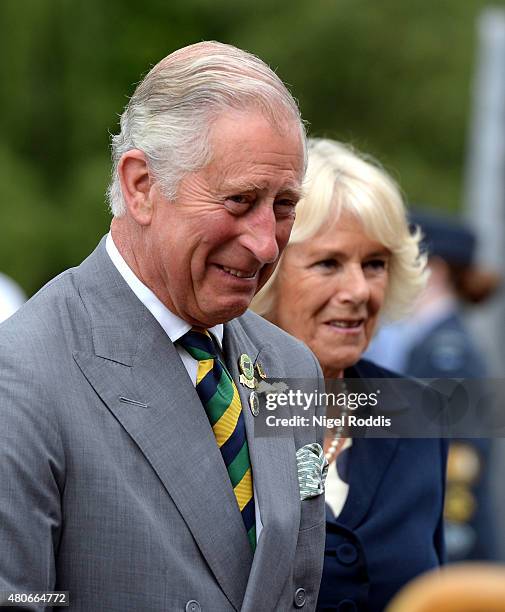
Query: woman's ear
[136, 185]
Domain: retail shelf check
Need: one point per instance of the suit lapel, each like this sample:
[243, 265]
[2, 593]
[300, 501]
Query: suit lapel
[273, 461]
[142, 381]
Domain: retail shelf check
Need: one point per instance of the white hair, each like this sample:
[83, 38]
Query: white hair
[171, 112]
[340, 179]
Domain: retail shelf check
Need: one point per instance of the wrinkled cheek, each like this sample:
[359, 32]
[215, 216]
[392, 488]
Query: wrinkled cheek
[306, 330]
[200, 272]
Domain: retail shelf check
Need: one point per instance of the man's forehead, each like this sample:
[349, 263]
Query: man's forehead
[249, 152]
[284, 126]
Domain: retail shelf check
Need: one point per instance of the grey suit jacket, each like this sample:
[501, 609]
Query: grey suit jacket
[111, 483]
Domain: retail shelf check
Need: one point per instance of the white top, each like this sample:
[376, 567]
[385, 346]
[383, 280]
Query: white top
[336, 490]
[174, 327]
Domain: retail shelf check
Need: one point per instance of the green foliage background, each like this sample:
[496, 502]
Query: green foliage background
[391, 76]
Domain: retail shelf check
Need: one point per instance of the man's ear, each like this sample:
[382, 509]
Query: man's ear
[136, 185]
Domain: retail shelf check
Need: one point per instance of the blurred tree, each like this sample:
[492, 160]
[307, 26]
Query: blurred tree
[391, 77]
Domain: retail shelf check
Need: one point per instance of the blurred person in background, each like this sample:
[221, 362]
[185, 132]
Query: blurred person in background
[434, 342]
[350, 260]
[11, 297]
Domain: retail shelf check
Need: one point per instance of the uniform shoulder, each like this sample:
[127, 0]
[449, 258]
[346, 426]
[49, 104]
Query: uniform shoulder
[451, 351]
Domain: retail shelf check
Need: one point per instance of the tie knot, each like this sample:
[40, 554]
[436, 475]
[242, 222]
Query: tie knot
[199, 344]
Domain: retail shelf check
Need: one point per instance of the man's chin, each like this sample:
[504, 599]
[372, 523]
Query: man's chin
[216, 314]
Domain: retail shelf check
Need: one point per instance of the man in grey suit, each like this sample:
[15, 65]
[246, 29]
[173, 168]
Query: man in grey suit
[115, 482]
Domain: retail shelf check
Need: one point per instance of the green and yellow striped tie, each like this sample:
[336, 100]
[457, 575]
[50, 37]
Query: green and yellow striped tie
[220, 398]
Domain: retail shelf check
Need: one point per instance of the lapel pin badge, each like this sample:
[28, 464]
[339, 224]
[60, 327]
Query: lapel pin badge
[260, 370]
[254, 403]
[247, 371]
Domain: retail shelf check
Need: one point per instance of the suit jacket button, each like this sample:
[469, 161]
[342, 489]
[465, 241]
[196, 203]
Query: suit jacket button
[347, 553]
[299, 598]
[347, 605]
[193, 606]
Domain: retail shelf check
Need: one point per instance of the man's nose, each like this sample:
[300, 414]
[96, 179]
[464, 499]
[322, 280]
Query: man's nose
[260, 235]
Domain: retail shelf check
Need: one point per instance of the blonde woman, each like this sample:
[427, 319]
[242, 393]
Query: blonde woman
[351, 260]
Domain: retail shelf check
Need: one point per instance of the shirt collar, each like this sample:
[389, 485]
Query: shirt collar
[174, 326]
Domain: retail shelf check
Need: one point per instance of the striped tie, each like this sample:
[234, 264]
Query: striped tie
[221, 401]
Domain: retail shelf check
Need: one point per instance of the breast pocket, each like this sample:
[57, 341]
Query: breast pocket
[312, 512]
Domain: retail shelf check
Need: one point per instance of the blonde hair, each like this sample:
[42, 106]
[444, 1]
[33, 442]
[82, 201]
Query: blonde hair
[339, 179]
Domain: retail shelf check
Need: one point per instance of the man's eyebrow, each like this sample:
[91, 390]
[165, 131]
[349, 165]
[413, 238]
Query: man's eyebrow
[240, 186]
[296, 193]
[289, 190]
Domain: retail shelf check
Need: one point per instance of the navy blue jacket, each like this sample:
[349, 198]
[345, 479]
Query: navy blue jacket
[390, 528]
